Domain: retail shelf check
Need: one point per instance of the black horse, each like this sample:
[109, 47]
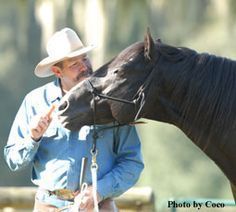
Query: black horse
[195, 92]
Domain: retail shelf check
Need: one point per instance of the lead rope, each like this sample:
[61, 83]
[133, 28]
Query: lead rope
[94, 168]
[94, 152]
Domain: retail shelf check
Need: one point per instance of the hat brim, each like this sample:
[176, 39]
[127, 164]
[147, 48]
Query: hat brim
[43, 69]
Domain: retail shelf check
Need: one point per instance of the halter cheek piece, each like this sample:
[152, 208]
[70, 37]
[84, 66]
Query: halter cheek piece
[139, 97]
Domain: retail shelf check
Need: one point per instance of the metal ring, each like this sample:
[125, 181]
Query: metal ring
[94, 153]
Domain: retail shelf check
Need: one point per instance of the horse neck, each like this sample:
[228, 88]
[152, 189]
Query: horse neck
[187, 95]
[166, 94]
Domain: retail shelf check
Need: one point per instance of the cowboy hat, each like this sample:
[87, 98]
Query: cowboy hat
[63, 44]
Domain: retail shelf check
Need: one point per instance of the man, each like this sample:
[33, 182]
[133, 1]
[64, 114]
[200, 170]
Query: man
[37, 138]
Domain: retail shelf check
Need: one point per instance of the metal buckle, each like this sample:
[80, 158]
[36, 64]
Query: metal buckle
[64, 194]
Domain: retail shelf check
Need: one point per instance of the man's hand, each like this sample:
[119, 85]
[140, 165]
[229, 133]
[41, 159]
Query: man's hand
[40, 124]
[86, 200]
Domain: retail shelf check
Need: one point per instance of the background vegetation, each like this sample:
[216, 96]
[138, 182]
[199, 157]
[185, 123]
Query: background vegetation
[174, 166]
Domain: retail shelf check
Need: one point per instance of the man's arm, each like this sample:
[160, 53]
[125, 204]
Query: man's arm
[24, 137]
[128, 167]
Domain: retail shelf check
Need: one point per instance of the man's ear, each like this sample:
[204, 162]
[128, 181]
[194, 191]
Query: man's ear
[56, 70]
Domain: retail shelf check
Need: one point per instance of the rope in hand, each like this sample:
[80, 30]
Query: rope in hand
[79, 198]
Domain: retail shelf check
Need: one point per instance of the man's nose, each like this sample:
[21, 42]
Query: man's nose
[83, 66]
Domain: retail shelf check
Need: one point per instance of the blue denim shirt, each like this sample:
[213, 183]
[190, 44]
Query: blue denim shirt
[56, 158]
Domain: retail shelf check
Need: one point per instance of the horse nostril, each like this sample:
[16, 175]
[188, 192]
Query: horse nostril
[63, 106]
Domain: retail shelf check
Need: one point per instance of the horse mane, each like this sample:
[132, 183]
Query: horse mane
[209, 85]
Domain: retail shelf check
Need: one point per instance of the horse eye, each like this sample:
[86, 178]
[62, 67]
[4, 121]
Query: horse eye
[131, 59]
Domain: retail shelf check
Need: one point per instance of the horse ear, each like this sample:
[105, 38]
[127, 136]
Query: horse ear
[148, 45]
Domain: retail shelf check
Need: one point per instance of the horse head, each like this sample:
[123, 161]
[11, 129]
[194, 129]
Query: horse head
[122, 77]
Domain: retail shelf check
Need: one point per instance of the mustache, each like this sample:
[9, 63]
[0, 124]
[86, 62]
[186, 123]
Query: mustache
[84, 74]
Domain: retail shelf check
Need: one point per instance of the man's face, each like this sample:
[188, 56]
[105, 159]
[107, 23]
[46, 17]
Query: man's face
[73, 70]
[77, 68]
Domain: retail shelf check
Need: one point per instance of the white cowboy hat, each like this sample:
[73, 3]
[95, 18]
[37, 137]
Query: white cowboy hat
[63, 44]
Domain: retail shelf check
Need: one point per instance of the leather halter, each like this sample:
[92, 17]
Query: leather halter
[138, 97]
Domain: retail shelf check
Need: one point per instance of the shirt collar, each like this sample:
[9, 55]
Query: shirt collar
[54, 91]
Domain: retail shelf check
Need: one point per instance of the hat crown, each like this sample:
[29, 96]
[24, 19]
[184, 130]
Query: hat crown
[63, 43]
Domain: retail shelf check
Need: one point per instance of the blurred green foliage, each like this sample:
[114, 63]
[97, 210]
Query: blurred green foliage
[174, 166]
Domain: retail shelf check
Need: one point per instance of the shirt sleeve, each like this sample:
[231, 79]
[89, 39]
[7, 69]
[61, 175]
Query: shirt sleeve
[128, 166]
[21, 148]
